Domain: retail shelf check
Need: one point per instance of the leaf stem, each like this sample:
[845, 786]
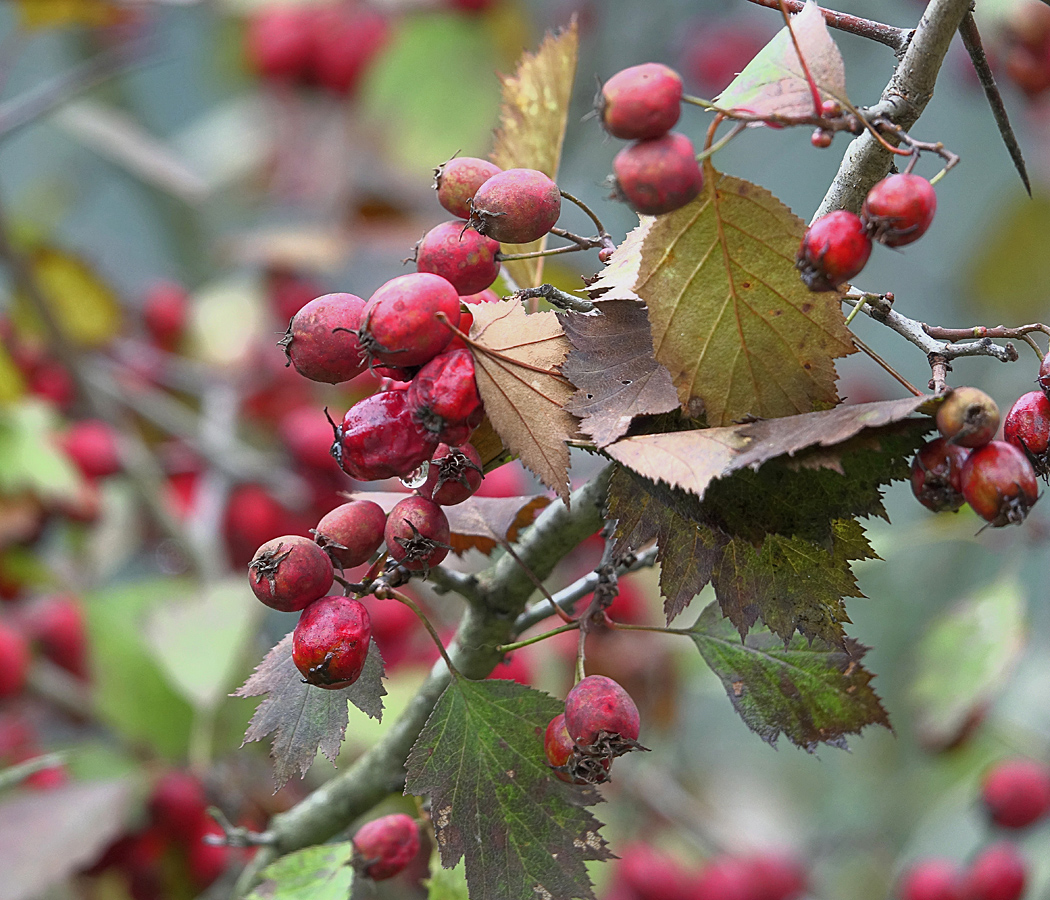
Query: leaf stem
[895, 38]
[517, 645]
[813, 89]
[384, 592]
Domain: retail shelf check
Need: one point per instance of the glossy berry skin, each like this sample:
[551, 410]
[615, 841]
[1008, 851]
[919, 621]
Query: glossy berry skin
[968, 417]
[352, 532]
[516, 206]
[92, 446]
[458, 180]
[658, 176]
[931, 879]
[455, 474]
[1016, 792]
[460, 255]
[936, 475]
[346, 39]
[598, 704]
[381, 438]
[289, 573]
[417, 533]
[400, 325]
[386, 845]
[1027, 426]
[279, 42]
[444, 397]
[835, 249]
[999, 483]
[330, 642]
[178, 804]
[56, 624]
[14, 660]
[165, 311]
[999, 872]
[899, 209]
[641, 102]
[321, 340]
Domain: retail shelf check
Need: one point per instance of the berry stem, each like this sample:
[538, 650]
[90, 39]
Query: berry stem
[508, 648]
[539, 585]
[1020, 332]
[385, 592]
[555, 297]
[813, 89]
[907, 385]
[603, 234]
[721, 142]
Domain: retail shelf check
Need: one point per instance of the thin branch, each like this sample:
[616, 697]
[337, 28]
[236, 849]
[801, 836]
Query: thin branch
[555, 297]
[894, 38]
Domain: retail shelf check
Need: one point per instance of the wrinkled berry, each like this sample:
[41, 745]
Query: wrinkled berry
[936, 475]
[968, 417]
[330, 642]
[999, 483]
[444, 397]
[1027, 426]
[598, 707]
[290, 572]
[381, 438]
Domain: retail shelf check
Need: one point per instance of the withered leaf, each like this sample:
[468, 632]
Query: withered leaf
[613, 369]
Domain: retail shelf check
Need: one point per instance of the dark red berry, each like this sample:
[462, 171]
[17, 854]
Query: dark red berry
[598, 705]
[968, 417]
[346, 40]
[931, 879]
[279, 42]
[386, 845]
[307, 434]
[1044, 374]
[1027, 426]
[205, 861]
[835, 248]
[1016, 792]
[570, 765]
[936, 475]
[999, 872]
[381, 438]
[400, 325]
[444, 397]
[330, 642]
[14, 660]
[92, 446]
[458, 180]
[999, 483]
[455, 473]
[641, 102]
[658, 176]
[351, 533]
[417, 533]
[899, 209]
[57, 625]
[321, 341]
[290, 572]
[516, 206]
[460, 255]
[164, 313]
[178, 804]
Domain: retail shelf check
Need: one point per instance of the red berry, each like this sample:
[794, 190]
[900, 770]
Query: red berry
[307, 434]
[164, 313]
[658, 176]
[598, 704]
[386, 845]
[400, 325]
[395, 629]
[936, 475]
[178, 804]
[899, 209]
[92, 446]
[458, 180]
[455, 474]
[351, 533]
[835, 249]
[776, 876]
[931, 879]
[381, 438]
[568, 763]
[516, 206]
[252, 517]
[821, 139]
[417, 533]
[444, 397]
[290, 572]
[715, 52]
[460, 255]
[206, 862]
[346, 40]
[652, 875]
[57, 624]
[641, 102]
[968, 417]
[321, 341]
[1027, 426]
[279, 42]
[999, 483]
[330, 642]
[998, 872]
[558, 745]
[14, 660]
[1044, 374]
[724, 878]
[1016, 792]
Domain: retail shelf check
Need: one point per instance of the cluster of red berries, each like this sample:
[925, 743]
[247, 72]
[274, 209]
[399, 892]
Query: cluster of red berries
[1015, 795]
[964, 464]
[897, 211]
[385, 846]
[657, 173]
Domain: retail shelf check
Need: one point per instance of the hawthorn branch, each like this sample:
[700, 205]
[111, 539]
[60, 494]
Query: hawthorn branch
[893, 37]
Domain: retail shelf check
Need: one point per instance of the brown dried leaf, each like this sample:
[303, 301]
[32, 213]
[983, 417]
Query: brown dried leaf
[613, 369]
[523, 393]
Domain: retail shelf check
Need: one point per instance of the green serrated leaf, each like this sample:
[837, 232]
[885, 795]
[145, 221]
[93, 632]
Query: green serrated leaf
[809, 691]
[316, 873]
[494, 800]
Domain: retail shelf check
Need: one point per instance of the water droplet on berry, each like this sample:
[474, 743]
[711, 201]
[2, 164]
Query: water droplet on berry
[416, 478]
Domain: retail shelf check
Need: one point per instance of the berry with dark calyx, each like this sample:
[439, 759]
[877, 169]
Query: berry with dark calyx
[1016, 792]
[458, 180]
[417, 534]
[92, 446]
[351, 533]
[931, 879]
[1027, 425]
[516, 206]
[658, 176]
[346, 39]
[834, 250]
[386, 845]
[968, 417]
[641, 102]
[56, 624]
[290, 572]
[999, 483]
[460, 255]
[455, 474]
[177, 804]
[899, 209]
[400, 327]
[568, 763]
[444, 397]
[14, 660]
[321, 340]
[936, 475]
[998, 872]
[164, 313]
[600, 714]
[330, 642]
[381, 438]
